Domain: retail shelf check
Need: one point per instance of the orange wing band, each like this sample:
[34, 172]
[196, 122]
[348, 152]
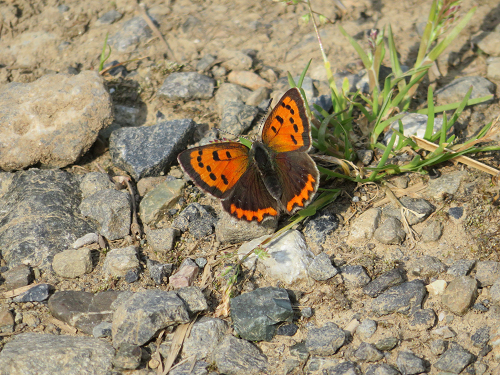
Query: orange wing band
[304, 194]
[250, 215]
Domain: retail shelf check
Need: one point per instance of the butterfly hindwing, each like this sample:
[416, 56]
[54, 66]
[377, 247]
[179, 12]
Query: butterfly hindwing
[288, 127]
[299, 179]
[250, 200]
[216, 167]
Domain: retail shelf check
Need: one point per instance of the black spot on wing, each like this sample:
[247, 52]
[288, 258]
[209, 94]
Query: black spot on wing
[209, 168]
[274, 129]
[201, 165]
[228, 154]
[280, 119]
[296, 128]
[215, 155]
[224, 179]
[293, 139]
[212, 177]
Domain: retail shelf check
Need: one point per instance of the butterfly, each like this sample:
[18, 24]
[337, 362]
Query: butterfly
[275, 175]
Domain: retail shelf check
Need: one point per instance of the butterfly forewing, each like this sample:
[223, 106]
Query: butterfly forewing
[288, 127]
[217, 167]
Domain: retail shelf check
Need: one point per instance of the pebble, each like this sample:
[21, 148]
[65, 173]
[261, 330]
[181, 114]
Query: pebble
[493, 69]
[231, 230]
[260, 95]
[388, 279]
[422, 320]
[495, 291]
[82, 310]
[321, 268]
[185, 276]
[228, 93]
[37, 293]
[438, 346]
[325, 340]
[161, 240]
[365, 156]
[193, 298]
[205, 337]
[481, 337]
[318, 228]
[239, 357]
[287, 330]
[354, 276]
[235, 60]
[390, 232]
[409, 364]
[487, 272]
[188, 368]
[455, 91]
[461, 267]
[6, 321]
[146, 184]
[159, 272]
[18, 276]
[288, 260]
[50, 196]
[206, 62]
[366, 329]
[93, 182]
[387, 344]
[131, 276]
[364, 226]
[131, 33]
[138, 317]
[445, 185]
[427, 267]
[436, 288]
[247, 79]
[344, 368]
[403, 298]
[381, 369]
[88, 239]
[165, 140]
[445, 332]
[257, 314]
[32, 353]
[109, 18]
[454, 360]
[324, 102]
[432, 232]
[413, 124]
[460, 294]
[127, 357]
[368, 353]
[68, 128]
[120, 260]
[162, 198]
[420, 206]
[456, 212]
[488, 42]
[73, 263]
[103, 329]
[237, 118]
[111, 209]
[186, 86]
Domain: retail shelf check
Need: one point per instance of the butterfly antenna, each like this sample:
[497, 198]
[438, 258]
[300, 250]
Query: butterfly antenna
[223, 139]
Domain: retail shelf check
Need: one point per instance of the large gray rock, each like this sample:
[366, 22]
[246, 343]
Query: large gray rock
[31, 353]
[39, 216]
[52, 121]
[239, 357]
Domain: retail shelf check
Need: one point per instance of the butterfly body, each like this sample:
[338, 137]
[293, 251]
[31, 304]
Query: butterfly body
[274, 175]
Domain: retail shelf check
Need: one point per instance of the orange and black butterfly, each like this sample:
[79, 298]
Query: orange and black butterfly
[274, 175]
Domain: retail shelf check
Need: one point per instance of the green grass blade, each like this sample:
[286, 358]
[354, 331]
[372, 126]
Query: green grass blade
[451, 106]
[103, 58]
[429, 129]
[303, 75]
[291, 81]
[396, 68]
[385, 156]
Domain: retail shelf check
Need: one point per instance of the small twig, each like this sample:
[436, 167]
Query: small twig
[142, 9]
[104, 71]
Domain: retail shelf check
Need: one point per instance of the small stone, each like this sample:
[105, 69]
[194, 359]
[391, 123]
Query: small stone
[432, 232]
[368, 353]
[354, 276]
[159, 272]
[161, 240]
[146, 184]
[487, 272]
[37, 293]
[403, 298]
[481, 337]
[325, 340]
[495, 291]
[366, 329]
[235, 60]
[409, 364]
[6, 321]
[437, 287]
[201, 262]
[391, 278]
[161, 199]
[258, 96]
[381, 369]
[344, 368]
[185, 276]
[88, 239]
[205, 62]
[321, 268]
[365, 225]
[231, 230]
[318, 228]
[93, 182]
[109, 17]
[419, 210]
[427, 267]
[460, 295]
[287, 330]
[127, 357]
[306, 312]
[488, 42]
[387, 344]
[438, 346]
[365, 156]
[257, 314]
[413, 124]
[193, 299]
[229, 92]
[461, 267]
[187, 86]
[18, 276]
[447, 184]
[493, 69]
[454, 360]
[455, 91]
[391, 232]
[299, 350]
[103, 329]
[205, 337]
[247, 79]
[235, 356]
[120, 260]
[422, 320]
[445, 332]
[73, 263]
[237, 118]
[131, 276]
[456, 212]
